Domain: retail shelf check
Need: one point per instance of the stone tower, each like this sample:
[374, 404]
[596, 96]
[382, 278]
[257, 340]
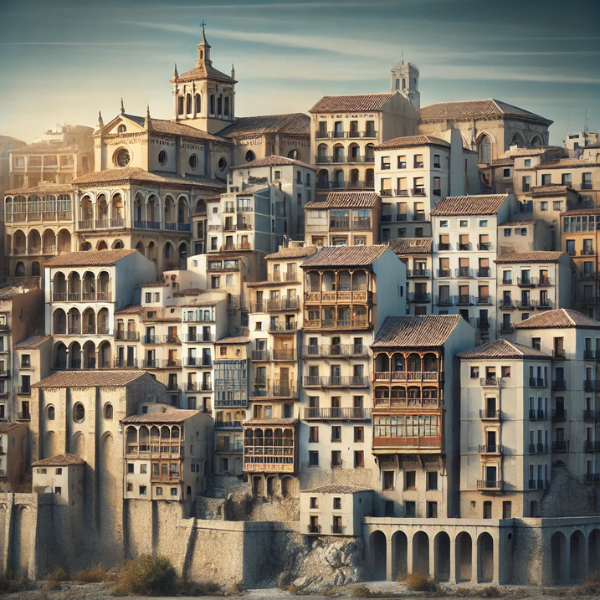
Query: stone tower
[405, 79]
[204, 97]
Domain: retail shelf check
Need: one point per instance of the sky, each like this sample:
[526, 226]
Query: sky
[62, 61]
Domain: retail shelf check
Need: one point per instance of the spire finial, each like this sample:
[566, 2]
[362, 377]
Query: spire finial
[148, 110]
[100, 121]
[122, 107]
[147, 121]
[232, 71]
[175, 73]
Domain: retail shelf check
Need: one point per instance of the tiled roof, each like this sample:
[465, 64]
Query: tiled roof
[270, 422]
[292, 124]
[161, 283]
[413, 141]
[549, 190]
[206, 71]
[136, 174]
[504, 349]
[346, 200]
[532, 151]
[535, 256]
[43, 148]
[469, 205]
[344, 256]
[32, 342]
[471, 109]
[190, 292]
[88, 379]
[581, 211]
[235, 339]
[274, 161]
[563, 318]
[567, 163]
[293, 252]
[171, 128]
[518, 223]
[415, 332]
[60, 460]
[6, 427]
[363, 102]
[337, 489]
[42, 188]
[172, 416]
[411, 246]
[90, 258]
[130, 309]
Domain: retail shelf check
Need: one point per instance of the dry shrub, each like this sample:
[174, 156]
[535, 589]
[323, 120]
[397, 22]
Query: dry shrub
[10, 585]
[54, 578]
[490, 591]
[147, 575]
[361, 591]
[332, 591]
[193, 588]
[95, 574]
[418, 582]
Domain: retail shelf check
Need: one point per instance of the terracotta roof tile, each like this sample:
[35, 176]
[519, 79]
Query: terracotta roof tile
[504, 349]
[581, 211]
[529, 257]
[32, 342]
[274, 161]
[563, 318]
[42, 188]
[235, 339]
[346, 200]
[413, 141]
[293, 252]
[412, 246]
[469, 205]
[469, 109]
[206, 71]
[130, 309]
[171, 416]
[89, 379]
[60, 460]
[363, 102]
[90, 258]
[150, 284]
[415, 332]
[566, 163]
[549, 190]
[337, 489]
[344, 256]
[291, 124]
[6, 427]
[44, 148]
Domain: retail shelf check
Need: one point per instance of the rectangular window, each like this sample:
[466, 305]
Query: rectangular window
[313, 435]
[142, 490]
[410, 510]
[359, 458]
[313, 458]
[432, 511]
[388, 480]
[432, 480]
[336, 433]
[410, 482]
[359, 434]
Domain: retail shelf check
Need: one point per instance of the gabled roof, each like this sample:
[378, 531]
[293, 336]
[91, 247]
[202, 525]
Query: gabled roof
[567, 163]
[274, 161]
[32, 342]
[170, 416]
[346, 200]
[413, 141]
[236, 339]
[504, 349]
[60, 460]
[469, 205]
[562, 318]
[130, 309]
[135, 174]
[529, 257]
[416, 331]
[472, 109]
[362, 102]
[294, 252]
[344, 256]
[291, 124]
[89, 379]
[42, 188]
[89, 258]
[411, 246]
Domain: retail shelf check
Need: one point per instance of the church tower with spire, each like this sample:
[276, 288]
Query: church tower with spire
[405, 79]
[204, 97]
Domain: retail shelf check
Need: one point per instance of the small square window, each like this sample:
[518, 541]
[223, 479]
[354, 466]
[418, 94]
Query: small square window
[483, 223]
[174, 491]
[59, 471]
[536, 343]
[142, 490]
[314, 503]
[443, 223]
[507, 232]
[159, 491]
[505, 371]
[527, 162]
[543, 206]
[143, 469]
[130, 468]
[464, 223]
[337, 504]
[57, 491]
[474, 372]
[506, 173]
[130, 487]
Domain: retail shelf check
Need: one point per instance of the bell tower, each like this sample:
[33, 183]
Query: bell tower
[203, 97]
[405, 79]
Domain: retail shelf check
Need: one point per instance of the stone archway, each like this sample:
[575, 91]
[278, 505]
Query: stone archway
[464, 557]
[421, 553]
[377, 556]
[594, 551]
[399, 556]
[558, 554]
[441, 553]
[21, 546]
[485, 558]
[577, 552]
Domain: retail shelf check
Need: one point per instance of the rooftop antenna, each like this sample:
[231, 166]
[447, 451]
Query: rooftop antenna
[585, 129]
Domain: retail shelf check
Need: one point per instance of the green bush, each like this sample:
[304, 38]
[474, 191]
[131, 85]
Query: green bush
[147, 575]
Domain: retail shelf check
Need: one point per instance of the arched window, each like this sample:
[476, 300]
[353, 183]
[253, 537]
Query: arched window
[121, 129]
[536, 142]
[212, 104]
[485, 150]
[226, 106]
[20, 270]
[168, 250]
[180, 105]
[250, 156]
[162, 158]
[198, 104]
[220, 105]
[293, 154]
[516, 141]
[78, 413]
[108, 411]
[50, 413]
[188, 104]
[35, 268]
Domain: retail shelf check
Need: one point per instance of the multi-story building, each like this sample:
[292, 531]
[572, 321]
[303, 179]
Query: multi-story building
[344, 131]
[530, 282]
[416, 254]
[465, 246]
[526, 236]
[413, 173]
[58, 156]
[83, 290]
[344, 219]
[166, 454]
[415, 413]
[13, 455]
[349, 291]
[579, 239]
[575, 143]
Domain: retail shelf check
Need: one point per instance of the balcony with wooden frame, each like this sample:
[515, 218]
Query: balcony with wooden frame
[270, 446]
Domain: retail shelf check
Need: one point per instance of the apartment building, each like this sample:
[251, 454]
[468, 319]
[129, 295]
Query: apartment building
[82, 292]
[415, 413]
[344, 131]
[344, 219]
[416, 254]
[64, 476]
[506, 429]
[166, 454]
[13, 455]
[530, 282]
[579, 239]
[349, 291]
[575, 143]
[413, 173]
[231, 383]
[526, 236]
[464, 250]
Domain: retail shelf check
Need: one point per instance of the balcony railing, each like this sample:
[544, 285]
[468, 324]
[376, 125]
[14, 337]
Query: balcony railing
[591, 478]
[24, 390]
[344, 414]
[590, 385]
[591, 415]
[491, 381]
[284, 354]
[125, 363]
[490, 449]
[282, 390]
[527, 281]
[282, 305]
[337, 350]
[290, 326]
[228, 424]
[418, 273]
[127, 335]
[463, 272]
[314, 529]
[490, 485]
[560, 446]
[342, 381]
[538, 414]
[419, 297]
[591, 446]
[507, 304]
[489, 415]
[591, 354]
[407, 376]
[337, 324]
[559, 414]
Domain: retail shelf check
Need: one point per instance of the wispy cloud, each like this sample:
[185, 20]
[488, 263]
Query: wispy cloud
[35, 43]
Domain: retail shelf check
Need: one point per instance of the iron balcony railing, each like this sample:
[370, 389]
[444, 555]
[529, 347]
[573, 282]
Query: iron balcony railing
[335, 350]
[489, 484]
[560, 446]
[490, 449]
[537, 382]
[538, 414]
[489, 415]
[591, 415]
[559, 384]
[347, 414]
[341, 381]
[559, 414]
